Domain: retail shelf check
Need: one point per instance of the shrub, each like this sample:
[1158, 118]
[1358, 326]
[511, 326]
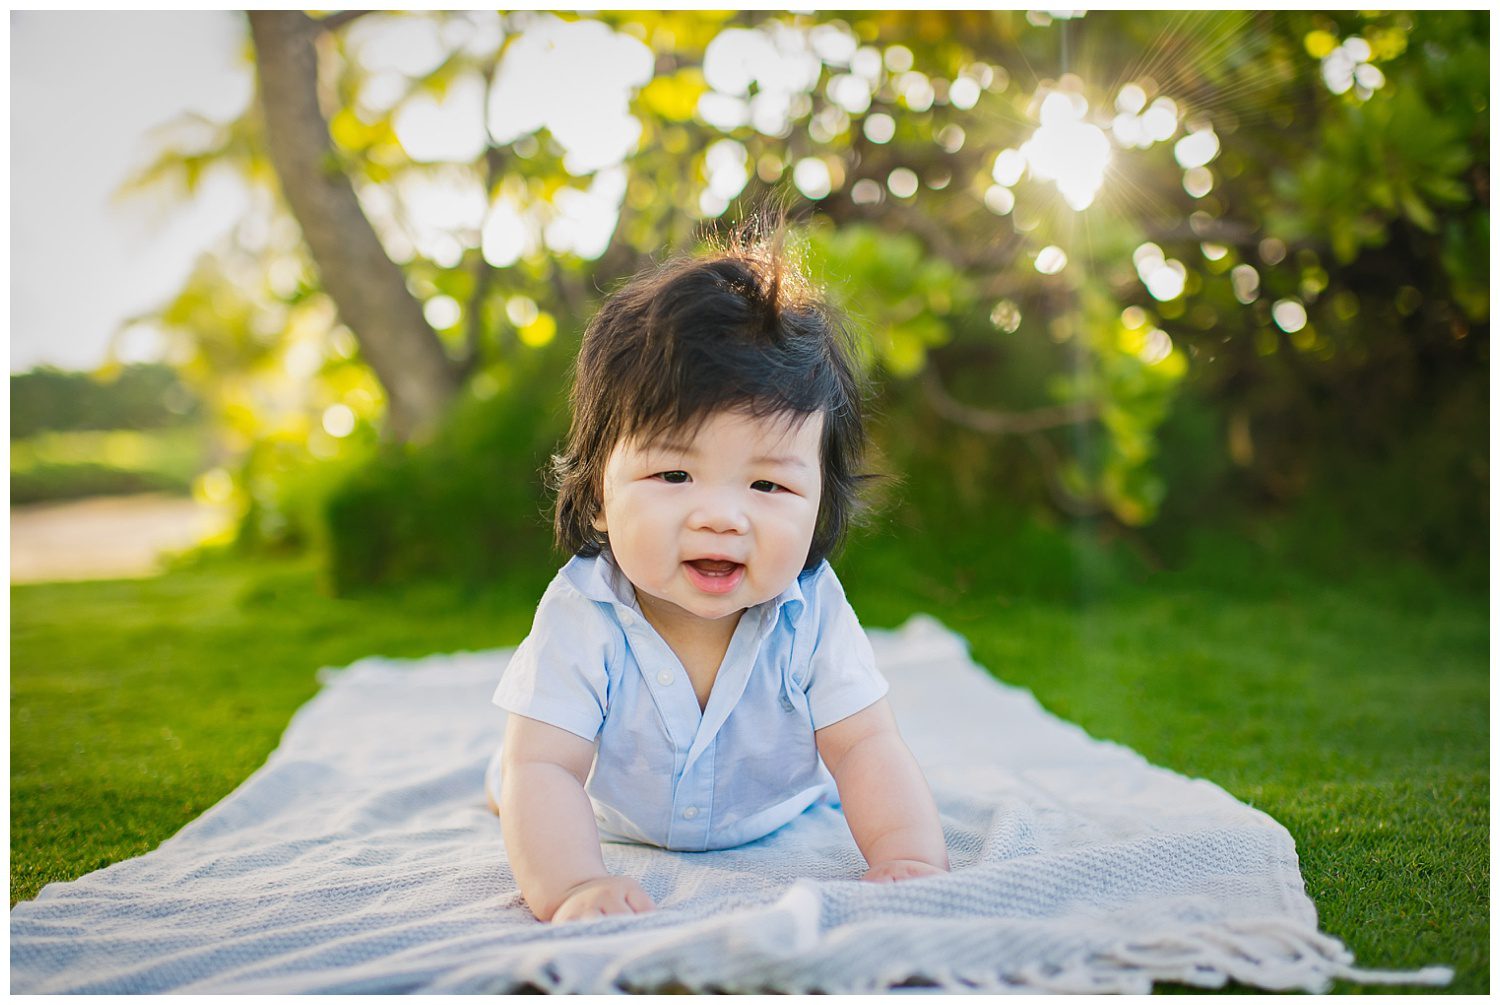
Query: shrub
[52, 482]
[466, 505]
[144, 396]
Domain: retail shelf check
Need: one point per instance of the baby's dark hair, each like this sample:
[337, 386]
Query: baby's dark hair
[739, 329]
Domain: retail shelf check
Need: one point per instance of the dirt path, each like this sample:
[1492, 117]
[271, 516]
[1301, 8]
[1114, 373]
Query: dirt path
[111, 537]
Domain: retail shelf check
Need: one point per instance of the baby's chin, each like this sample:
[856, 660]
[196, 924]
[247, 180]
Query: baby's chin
[712, 607]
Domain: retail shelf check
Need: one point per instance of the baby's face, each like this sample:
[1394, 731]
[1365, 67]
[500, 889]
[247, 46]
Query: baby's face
[708, 525]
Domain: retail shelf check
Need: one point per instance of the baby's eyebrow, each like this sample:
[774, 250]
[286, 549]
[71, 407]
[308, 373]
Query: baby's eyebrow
[686, 448]
[781, 460]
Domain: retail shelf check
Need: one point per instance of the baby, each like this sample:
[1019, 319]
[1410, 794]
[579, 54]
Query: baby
[694, 678]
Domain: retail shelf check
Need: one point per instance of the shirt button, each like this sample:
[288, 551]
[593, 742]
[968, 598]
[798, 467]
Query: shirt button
[665, 677]
[689, 813]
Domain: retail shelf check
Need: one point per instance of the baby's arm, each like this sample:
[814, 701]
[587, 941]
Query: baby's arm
[886, 800]
[548, 823]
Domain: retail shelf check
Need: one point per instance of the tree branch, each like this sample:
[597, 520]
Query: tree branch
[333, 22]
[1062, 496]
[1028, 425]
[568, 292]
[1004, 423]
[484, 273]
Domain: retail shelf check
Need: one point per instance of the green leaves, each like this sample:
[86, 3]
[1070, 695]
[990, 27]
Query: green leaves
[904, 299]
[1396, 156]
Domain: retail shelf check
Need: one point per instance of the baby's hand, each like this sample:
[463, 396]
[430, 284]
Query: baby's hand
[599, 897]
[897, 869]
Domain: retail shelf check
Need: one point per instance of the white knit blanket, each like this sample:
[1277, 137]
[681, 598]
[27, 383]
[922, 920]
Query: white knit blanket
[362, 858]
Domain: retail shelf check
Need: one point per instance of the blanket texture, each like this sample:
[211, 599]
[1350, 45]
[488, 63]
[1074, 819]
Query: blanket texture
[362, 858]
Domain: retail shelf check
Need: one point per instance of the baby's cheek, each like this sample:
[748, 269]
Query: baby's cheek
[788, 549]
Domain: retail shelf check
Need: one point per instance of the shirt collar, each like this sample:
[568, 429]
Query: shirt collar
[598, 578]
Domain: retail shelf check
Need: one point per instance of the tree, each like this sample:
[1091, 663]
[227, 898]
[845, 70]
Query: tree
[1055, 231]
[367, 287]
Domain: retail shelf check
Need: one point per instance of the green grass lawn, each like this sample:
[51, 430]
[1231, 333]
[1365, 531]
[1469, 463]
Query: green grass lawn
[1351, 705]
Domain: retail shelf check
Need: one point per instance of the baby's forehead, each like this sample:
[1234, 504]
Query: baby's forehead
[772, 427]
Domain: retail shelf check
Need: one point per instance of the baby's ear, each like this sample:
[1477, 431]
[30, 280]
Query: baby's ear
[599, 523]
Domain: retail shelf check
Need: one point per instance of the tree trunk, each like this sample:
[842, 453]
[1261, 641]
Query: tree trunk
[368, 289]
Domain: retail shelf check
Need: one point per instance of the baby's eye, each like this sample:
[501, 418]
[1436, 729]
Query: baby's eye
[765, 486]
[673, 477]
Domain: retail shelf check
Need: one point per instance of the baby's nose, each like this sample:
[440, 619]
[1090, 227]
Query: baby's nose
[720, 513]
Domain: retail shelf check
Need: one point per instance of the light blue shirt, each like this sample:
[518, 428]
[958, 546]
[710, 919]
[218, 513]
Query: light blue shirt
[665, 772]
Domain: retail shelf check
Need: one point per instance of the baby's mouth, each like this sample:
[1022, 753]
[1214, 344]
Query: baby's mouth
[715, 575]
[714, 566]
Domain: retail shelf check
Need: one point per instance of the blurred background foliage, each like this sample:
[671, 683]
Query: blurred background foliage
[123, 430]
[1135, 272]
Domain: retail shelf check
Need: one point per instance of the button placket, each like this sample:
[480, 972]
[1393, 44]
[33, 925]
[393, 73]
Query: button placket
[704, 803]
[679, 717]
[739, 663]
[692, 806]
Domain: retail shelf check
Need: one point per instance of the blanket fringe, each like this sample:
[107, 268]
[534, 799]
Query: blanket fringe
[1271, 953]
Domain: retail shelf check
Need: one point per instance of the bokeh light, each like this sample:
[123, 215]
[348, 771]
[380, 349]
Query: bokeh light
[902, 183]
[1164, 278]
[339, 420]
[1198, 182]
[1131, 99]
[727, 165]
[1290, 316]
[999, 200]
[1157, 347]
[880, 128]
[1067, 150]
[1010, 165]
[1051, 260]
[584, 219]
[507, 233]
[1246, 283]
[1006, 316]
[767, 73]
[1347, 66]
[447, 128]
[442, 311]
[964, 93]
[812, 178]
[1196, 149]
[590, 117]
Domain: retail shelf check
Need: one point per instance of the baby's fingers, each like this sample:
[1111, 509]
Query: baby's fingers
[600, 903]
[615, 905]
[634, 901]
[901, 869]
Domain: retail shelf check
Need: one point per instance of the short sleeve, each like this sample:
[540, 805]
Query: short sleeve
[560, 674]
[842, 678]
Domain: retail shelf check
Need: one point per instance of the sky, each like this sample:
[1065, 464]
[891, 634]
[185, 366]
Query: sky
[87, 90]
